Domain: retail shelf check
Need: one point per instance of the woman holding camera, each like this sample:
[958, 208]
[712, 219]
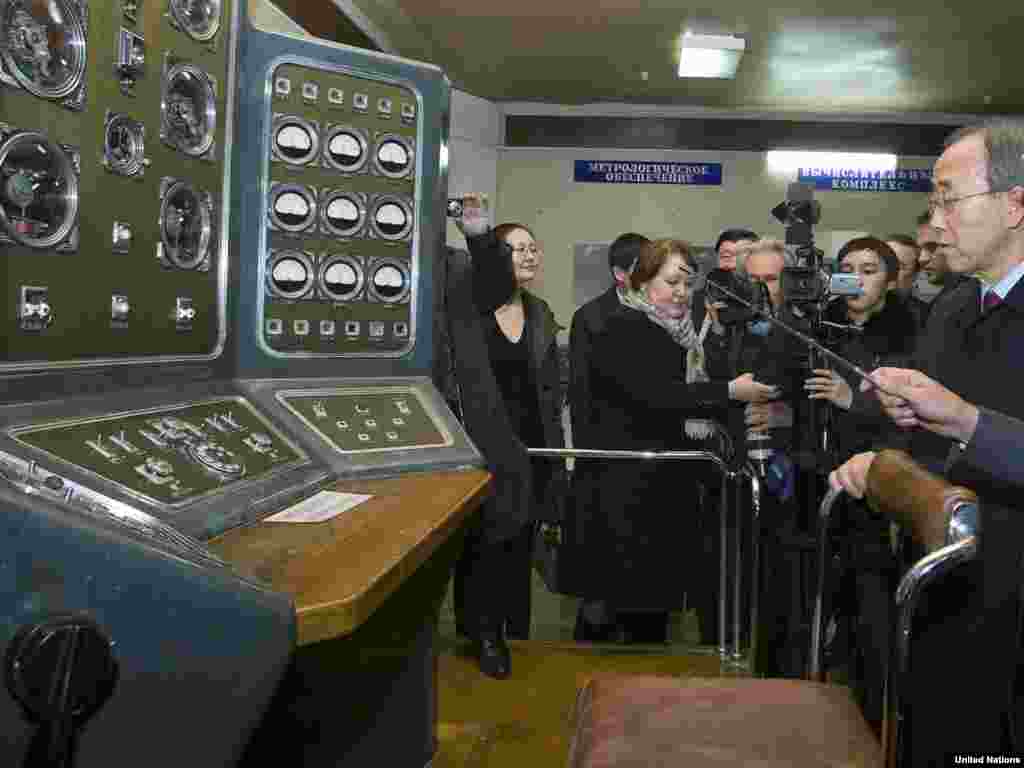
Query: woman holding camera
[509, 377]
[881, 331]
[630, 521]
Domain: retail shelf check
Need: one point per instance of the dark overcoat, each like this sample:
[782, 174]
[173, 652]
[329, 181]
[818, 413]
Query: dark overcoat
[981, 358]
[474, 287]
[587, 323]
[628, 532]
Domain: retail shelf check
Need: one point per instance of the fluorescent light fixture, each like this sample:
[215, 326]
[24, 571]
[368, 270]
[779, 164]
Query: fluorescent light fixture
[789, 162]
[709, 55]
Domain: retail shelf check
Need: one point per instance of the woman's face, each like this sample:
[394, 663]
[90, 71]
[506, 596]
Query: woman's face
[874, 280]
[669, 290]
[526, 255]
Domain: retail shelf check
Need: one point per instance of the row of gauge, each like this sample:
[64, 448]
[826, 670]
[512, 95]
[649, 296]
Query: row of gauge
[302, 209]
[340, 147]
[299, 275]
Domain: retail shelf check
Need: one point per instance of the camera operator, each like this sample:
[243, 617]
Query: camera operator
[875, 328]
[740, 344]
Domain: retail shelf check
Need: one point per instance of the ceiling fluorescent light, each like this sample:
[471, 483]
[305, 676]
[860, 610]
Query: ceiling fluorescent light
[786, 162]
[709, 55]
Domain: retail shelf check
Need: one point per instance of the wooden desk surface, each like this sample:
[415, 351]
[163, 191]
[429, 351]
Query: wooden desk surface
[341, 570]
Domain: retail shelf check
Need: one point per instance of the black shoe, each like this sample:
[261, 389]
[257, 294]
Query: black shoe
[495, 657]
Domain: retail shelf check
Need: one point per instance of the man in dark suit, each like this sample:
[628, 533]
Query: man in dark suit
[906, 249]
[726, 247]
[588, 322]
[595, 623]
[973, 345]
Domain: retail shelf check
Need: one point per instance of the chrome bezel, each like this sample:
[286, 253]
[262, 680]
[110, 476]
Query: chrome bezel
[207, 86]
[76, 22]
[358, 134]
[307, 193]
[180, 20]
[136, 163]
[339, 258]
[406, 145]
[388, 261]
[402, 203]
[329, 196]
[310, 126]
[311, 277]
[169, 189]
[67, 166]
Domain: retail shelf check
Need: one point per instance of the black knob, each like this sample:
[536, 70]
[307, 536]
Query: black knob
[61, 671]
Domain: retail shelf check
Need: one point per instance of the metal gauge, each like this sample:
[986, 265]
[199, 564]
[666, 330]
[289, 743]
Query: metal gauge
[295, 141]
[391, 218]
[290, 274]
[43, 45]
[393, 157]
[186, 225]
[390, 281]
[199, 19]
[292, 207]
[124, 145]
[345, 149]
[188, 109]
[341, 278]
[342, 213]
[39, 192]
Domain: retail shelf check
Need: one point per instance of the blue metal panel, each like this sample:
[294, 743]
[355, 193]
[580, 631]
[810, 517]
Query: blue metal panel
[200, 648]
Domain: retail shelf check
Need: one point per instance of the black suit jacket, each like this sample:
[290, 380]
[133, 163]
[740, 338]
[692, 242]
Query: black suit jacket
[588, 322]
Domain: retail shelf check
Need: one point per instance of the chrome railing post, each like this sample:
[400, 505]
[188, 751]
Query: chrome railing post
[723, 565]
[817, 667]
[755, 558]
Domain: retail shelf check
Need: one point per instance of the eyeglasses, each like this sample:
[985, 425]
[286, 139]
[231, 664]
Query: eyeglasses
[947, 204]
[519, 250]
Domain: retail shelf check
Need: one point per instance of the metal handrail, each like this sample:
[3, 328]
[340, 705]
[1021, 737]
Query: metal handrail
[908, 596]
[728, 473]
[961, 547]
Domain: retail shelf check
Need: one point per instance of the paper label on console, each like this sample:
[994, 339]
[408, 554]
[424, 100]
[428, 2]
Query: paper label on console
[319, 508]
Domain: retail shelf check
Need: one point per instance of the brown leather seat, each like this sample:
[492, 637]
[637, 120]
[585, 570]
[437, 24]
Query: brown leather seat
[657, 722]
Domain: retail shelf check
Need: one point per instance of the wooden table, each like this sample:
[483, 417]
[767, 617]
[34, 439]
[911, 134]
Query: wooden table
[368, 585]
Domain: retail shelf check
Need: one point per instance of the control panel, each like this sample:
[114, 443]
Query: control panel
[169, 456]
[115, 116]
[358, 420]
[338, 264]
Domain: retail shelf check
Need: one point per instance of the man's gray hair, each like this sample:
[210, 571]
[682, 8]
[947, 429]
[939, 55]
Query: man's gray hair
[765, 244]
[1004, 147]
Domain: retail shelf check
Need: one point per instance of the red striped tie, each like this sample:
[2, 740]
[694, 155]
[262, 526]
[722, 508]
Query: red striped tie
[991, 300]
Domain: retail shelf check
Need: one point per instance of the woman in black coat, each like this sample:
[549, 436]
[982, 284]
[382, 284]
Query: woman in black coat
[886, 335]
[630, 526]
[509, 359]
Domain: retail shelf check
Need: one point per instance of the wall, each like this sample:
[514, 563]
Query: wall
[476, 131]
[535, 186]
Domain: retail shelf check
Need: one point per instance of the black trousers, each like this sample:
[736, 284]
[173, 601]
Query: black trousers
[492, 584]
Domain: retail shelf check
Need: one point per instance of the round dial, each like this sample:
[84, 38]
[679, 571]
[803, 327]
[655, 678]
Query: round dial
[43, 45]
[124, 145]
[293, 207]
[216, 457]
[346, 149]
[390, 282]
[295, 140]
[38, 190]
[343, 214]
[199, 18]
[290, 275]
[186, 226]
[188, 110]
[392, 219]
[341, 279]
[393, 157]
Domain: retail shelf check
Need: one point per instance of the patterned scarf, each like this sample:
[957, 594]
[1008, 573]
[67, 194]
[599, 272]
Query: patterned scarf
[681, 330]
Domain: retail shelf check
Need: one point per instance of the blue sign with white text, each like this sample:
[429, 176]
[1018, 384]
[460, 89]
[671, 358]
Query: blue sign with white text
[859, 180]
[632, 172]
